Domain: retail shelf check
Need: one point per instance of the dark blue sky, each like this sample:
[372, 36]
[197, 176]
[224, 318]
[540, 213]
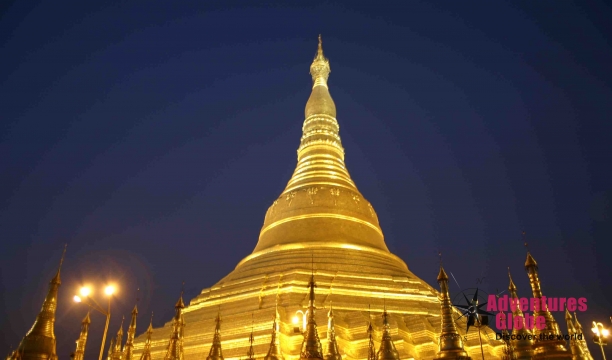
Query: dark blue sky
[151, 136]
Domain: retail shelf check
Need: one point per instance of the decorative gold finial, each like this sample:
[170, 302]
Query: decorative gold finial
[450, 345]
[320, 67]
[56, 278]
[332, 350]
[79, 353]
[216, 352]
[251, 352]
[175, 350]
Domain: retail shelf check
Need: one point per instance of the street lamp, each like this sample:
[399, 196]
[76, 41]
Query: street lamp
[85, 291]
[600, 336]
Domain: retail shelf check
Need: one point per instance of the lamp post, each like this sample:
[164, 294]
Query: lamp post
[92, 303]
[600, 336]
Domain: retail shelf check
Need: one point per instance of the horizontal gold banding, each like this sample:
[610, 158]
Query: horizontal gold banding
[322, 117]
[321, 215]
[320, 81]
[289, 189]
[332, 157]
[331, 244]
[326, 147]
[309, 174]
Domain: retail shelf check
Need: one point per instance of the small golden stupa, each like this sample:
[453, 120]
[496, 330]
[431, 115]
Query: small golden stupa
[321, 215]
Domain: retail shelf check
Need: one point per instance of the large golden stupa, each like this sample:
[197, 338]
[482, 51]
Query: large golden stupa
[320, 226]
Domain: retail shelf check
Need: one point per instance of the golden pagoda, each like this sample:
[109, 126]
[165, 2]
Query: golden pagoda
[128, 351]
[274, 351]
[582, 342]
[522, 344]
[39, 342]
[320, 214]
[79, 353]
[332, 351]
[146, 353]
[115, 349]
[548, 347]
[175, 346]
[578, 353]
[451, 345]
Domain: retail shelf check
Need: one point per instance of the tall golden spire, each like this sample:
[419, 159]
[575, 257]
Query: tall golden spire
[550, 348]
[251, 352]
[39, 342]
[387, 350]
[311, 346]
[371, 346]
[79, 353]
[275, 351]
[332, 352]
[128, 351]
[116, 352]
[522, 342]
[450, 345]
[582, 342]
[111, 350]
[577, 352]
[321, 199]
[216, 353]
[175, 345]
[146, 353]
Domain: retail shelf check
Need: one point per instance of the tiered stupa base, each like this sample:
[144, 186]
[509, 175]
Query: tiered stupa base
[351, 277]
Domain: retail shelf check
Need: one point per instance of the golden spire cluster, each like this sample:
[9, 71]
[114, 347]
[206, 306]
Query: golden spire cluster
[79, 353]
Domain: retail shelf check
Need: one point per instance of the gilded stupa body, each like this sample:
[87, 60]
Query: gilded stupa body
[40, 343]
[320, 215]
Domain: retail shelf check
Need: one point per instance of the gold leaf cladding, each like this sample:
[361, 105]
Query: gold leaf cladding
[335, 193]
[356, 199]
[311, 192]
[289, 197]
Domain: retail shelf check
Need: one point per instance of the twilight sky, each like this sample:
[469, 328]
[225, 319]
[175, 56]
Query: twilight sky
[151, 136]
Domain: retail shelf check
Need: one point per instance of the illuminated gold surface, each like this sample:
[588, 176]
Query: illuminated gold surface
[321, 216]
[175, 347]
[146, 352]
[546, 349]
[583, 343]
[311, 345]
[577, 351]
[332, 352]
[128, 350]
[79, 353]
[115, 351]
[274, 351]
[40, 343]
[450, 343]
[216, 351]
[387, 350]
[523, 346]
